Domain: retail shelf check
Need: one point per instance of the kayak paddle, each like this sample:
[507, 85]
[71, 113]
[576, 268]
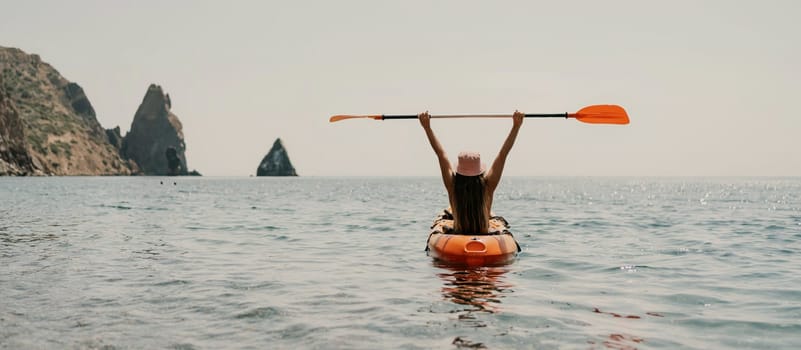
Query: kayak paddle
[597, 114]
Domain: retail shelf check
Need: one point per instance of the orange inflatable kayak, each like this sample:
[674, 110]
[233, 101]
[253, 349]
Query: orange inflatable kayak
[496, 248]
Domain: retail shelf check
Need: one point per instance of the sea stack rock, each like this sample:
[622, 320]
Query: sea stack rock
[55, 121]
[14, 156]
[156, 140]
[276, 162]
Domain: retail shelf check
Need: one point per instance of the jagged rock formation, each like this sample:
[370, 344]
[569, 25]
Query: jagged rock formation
[60, 130]
[114, 137]
[14, 156]
[276, 162]
[155, 131]
[49, 127]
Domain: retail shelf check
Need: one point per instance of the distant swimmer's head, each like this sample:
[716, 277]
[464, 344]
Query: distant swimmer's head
[470, 164]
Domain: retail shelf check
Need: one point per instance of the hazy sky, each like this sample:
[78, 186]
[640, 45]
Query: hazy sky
[711, 86]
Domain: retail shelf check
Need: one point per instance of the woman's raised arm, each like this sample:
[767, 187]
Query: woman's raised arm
[493, 176]
[444, 163]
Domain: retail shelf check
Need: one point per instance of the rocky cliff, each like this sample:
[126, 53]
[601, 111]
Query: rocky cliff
[276, 162]
[14, 156]
[156, 140]
[59, 129]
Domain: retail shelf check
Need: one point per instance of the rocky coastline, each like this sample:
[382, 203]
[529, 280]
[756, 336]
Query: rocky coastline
[49, 127]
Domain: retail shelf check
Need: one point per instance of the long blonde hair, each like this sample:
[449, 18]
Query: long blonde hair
[469, 214]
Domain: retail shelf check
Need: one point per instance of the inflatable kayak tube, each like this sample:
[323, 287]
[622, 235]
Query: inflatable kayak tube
[498, 247]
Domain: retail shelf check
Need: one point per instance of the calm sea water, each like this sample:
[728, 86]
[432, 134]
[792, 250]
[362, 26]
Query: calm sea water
[338, 263]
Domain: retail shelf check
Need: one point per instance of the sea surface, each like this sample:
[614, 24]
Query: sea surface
[339, 263]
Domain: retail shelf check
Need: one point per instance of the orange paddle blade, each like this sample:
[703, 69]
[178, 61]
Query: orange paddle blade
[602, 114]
[337, 118]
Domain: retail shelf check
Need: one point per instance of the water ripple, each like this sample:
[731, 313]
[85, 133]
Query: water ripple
[260, 313]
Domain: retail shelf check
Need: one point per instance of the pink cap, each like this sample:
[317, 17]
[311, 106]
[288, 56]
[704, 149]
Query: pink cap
[470, 164]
